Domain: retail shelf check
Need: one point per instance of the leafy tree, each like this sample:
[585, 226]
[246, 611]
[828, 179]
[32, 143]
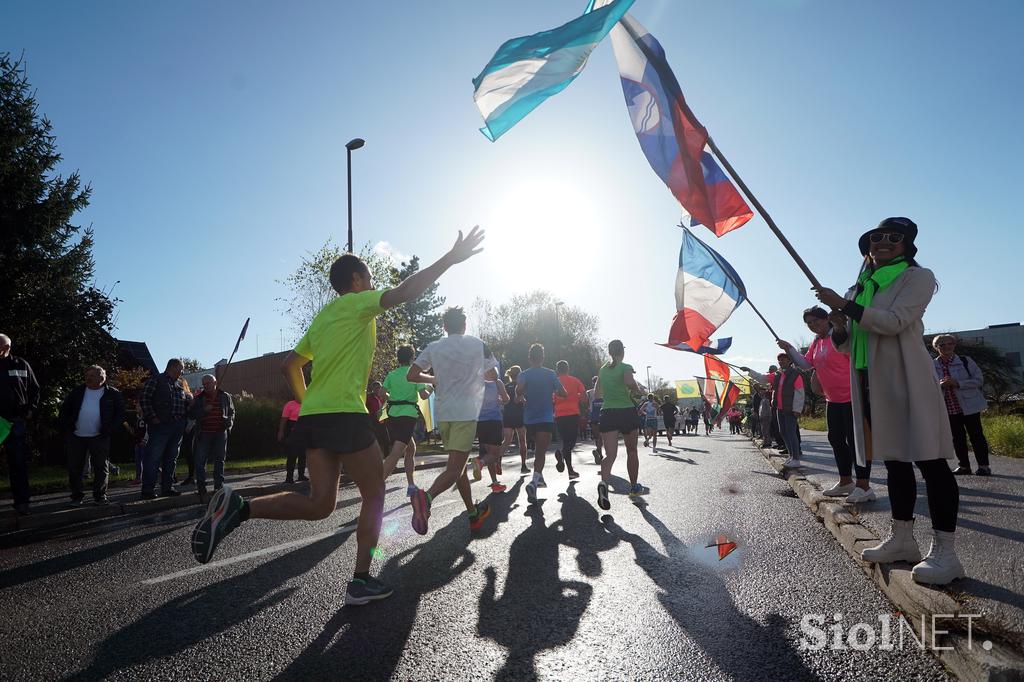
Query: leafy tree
[58, 319]
[567, 333]
[421, 315]
[310, 290]
[191, 365]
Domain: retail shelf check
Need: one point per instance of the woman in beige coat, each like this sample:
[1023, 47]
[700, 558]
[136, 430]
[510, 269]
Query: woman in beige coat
[898, 411]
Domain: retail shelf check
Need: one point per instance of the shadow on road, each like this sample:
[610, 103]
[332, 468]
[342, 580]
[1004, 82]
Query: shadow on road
[366, 643]
[204, 613]
[698, 599]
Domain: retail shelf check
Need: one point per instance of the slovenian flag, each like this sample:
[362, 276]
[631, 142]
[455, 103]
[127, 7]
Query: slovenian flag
[708, 289]
[670, 135]
[526, 71]
[718, 347]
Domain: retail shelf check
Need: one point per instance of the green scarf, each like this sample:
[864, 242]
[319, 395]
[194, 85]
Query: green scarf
[869, 283]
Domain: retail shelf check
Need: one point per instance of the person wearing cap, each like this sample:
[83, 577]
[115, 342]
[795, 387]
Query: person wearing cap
[961, 380]
[898, 408]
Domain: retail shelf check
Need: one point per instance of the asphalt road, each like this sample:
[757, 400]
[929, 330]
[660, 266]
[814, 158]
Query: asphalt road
[557, 590]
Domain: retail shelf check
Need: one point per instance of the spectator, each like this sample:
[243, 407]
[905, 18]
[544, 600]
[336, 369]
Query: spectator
[214, 412]
[165, 404]
[89, 415]
[290, 415]
[787, 390]
[961, 380]
[898, 408]
[19, 399]
[831, 368]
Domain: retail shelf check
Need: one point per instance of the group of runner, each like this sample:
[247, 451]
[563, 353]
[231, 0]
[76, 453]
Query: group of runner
[470, 403]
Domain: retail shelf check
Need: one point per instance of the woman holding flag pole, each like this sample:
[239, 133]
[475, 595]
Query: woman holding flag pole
[899, 413]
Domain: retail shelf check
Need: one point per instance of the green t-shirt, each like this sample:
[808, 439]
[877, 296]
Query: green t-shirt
[613, 386]
[340, 342]
[401, 389]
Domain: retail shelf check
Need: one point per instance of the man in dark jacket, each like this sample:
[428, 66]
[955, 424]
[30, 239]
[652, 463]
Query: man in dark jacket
[164, 402]
[19, 399]
[214, 412]
[89, 415]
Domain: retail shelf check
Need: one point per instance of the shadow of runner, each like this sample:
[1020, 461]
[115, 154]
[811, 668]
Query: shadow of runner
[367, 642]
[700, 602]
[74, 560]
[206, 612]
[581, 529]
[537, 610]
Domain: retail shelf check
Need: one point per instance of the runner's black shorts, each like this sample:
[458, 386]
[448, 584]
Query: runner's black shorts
[489, 432]
[543, 427]
[670, 423]
[513, 416]
[621, 419]
[400, 429]
[340, 432]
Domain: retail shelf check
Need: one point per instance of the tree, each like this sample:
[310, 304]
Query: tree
[56, 316]
[421, 315]
[191, 365]
[310, 290]
[567, 333]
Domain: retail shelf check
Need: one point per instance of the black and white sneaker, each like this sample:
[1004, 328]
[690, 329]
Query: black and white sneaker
[602, 496]
[559, 463]
[222, 517]
[597, 456]
[362, 592]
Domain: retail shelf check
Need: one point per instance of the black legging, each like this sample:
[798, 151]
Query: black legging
[964, 425]
[940, 484]
[568, 431]
[839, 417]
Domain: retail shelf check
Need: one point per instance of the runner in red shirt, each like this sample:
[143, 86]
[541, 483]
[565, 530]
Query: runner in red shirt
[567, 416]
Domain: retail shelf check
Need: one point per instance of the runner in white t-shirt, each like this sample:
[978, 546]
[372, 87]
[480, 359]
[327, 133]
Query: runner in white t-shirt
[460, 364]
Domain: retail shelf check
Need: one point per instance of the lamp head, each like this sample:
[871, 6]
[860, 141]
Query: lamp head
[355, 143]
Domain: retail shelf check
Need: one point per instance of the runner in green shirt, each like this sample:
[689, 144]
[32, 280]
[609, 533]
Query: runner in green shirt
[402, 396]
[615, 383]
[333, 424]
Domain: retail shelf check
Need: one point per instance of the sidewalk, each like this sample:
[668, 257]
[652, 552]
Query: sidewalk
[990, 544]
[52, 510]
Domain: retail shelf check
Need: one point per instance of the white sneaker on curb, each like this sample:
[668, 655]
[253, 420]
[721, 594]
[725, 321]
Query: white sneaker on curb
[899, 546]
[941, 566]
[839, 490]
[860, 495]
[791, 463]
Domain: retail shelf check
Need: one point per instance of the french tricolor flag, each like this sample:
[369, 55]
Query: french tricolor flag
[708, 289]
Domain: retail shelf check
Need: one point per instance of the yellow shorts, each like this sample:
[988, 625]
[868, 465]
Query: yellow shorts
[457, 436]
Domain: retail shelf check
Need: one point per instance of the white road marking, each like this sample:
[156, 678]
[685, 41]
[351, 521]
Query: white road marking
[277, 548]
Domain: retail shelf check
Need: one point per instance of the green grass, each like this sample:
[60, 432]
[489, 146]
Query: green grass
[1005, 432]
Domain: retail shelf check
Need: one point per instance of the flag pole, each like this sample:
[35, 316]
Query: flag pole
[241, 336]
[767, 218]
[754, 308]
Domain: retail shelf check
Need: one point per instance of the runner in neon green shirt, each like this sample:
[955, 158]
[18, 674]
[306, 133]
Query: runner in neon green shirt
[334, 423]
[615, 383]
[402, 396]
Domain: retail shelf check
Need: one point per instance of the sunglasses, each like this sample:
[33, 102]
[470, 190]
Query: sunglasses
[891, 237]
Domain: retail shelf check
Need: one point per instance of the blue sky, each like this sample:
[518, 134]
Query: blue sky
[213, 136]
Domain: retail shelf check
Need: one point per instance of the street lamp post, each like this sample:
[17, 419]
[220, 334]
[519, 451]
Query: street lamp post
[649, 379]
[351, 145]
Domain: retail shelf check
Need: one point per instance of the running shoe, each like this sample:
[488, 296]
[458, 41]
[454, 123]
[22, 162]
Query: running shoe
[482, 512]
[420, 511]
[597, 456]
[541, 483]
[573, 475]
[638, 490]
[222, 517]
[524, 469]
[362, 592]
[602, 496]
[531, 492]
[498, 488]
[559, 463]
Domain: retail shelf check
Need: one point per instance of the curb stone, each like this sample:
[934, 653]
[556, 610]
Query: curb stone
[961, 651]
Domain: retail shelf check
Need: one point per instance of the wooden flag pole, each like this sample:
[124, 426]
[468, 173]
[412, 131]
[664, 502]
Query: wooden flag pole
[754, 308]
[767, 218]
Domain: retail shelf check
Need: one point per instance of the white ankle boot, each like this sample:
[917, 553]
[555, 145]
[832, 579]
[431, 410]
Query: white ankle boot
[941, 566]
[899, 546]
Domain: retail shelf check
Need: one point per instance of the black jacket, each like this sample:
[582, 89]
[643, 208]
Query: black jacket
[111, 410]
[19, 390]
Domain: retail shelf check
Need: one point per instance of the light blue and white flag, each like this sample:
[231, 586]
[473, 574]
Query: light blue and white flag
[526, 71]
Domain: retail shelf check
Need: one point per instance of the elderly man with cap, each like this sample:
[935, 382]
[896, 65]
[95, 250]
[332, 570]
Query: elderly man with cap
[214, 412]
[899, 414]
[89, 415]
[19, 399]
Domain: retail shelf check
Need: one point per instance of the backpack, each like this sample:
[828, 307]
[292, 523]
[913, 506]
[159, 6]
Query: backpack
[967, 368]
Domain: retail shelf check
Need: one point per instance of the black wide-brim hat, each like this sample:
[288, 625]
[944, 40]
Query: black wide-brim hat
[904, 226]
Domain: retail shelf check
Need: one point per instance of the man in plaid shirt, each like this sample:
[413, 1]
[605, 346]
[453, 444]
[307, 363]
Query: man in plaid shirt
[164, 402]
